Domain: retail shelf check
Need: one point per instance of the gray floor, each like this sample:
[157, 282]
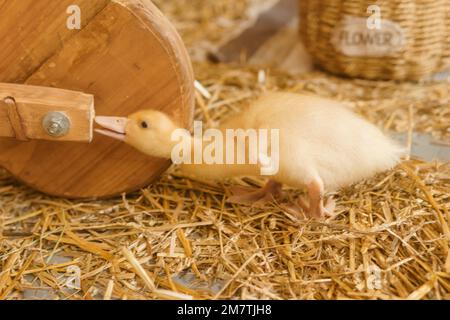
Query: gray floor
[425, 147]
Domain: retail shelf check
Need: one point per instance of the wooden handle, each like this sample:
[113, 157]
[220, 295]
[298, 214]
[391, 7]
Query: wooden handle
[43, 113]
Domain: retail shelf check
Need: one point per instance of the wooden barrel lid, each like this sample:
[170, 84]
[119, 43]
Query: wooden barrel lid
[126, 54]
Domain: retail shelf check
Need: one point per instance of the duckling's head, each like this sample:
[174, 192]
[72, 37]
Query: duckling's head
[149, 131]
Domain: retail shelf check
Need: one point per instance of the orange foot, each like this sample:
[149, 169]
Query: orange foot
[314, 208]
[268, 193]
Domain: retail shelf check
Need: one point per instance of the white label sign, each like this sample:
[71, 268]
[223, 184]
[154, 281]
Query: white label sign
[354, 39]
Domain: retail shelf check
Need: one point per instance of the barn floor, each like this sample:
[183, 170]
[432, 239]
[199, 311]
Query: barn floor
[390, 239]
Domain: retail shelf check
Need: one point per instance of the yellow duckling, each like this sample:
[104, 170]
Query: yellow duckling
[321, 146]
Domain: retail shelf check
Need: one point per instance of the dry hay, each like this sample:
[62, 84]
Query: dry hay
[179, 238]
[390, 239]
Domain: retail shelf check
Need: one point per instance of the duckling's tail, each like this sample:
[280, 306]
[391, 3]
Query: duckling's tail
[389, 155]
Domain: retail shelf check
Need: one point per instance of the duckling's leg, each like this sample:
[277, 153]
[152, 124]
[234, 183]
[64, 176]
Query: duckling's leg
[316, 208]
[266, 194]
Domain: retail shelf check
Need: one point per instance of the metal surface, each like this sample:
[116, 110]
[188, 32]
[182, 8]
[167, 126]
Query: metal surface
[56, 124]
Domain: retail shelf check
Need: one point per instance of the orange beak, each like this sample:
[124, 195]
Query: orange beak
[116, 127]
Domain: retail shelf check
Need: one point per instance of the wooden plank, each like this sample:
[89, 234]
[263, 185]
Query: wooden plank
[248, 42]
[34, 102]
[39, 29]
[271, 41]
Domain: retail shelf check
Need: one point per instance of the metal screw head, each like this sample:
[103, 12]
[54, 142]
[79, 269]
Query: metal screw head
[56, 124]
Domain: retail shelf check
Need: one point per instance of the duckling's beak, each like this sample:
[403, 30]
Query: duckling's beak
[116, 127]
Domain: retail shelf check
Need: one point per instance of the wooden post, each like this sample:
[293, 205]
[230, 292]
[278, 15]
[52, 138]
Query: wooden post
[23, 108]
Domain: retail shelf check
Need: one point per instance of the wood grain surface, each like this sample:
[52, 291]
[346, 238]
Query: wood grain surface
[21, 116]
[126, 54]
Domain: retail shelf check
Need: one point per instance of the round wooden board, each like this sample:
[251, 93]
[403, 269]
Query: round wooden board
[126, 54]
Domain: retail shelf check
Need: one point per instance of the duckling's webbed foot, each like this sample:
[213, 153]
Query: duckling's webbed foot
[315, 208]
[262, 196]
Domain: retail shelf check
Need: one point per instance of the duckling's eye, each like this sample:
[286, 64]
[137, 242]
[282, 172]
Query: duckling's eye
[144, 125]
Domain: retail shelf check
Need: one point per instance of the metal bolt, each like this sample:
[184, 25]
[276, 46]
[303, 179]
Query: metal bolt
[56, 124]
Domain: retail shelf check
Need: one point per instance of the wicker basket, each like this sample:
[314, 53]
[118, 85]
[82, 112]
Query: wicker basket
[412, 41]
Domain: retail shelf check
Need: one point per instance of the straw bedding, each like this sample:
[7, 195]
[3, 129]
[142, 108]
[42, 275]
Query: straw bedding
[179, 239]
